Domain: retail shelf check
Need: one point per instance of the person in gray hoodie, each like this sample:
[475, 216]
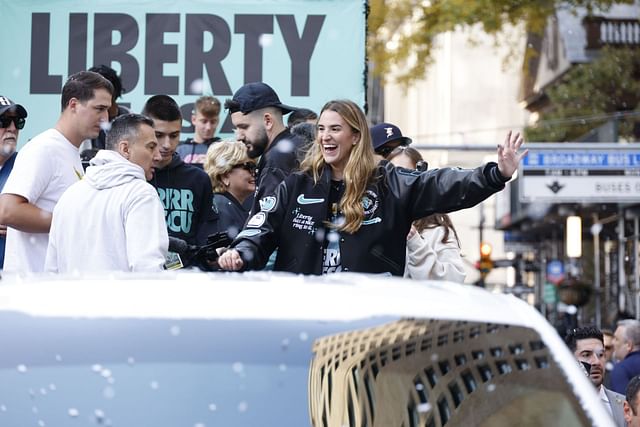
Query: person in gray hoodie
[112, 220]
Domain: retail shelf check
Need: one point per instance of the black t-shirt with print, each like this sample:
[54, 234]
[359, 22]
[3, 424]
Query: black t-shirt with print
[331, 254]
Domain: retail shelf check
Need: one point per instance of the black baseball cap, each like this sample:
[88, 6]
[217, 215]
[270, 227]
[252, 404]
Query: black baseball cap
[6, 105]
[254, 96]
[386, 132]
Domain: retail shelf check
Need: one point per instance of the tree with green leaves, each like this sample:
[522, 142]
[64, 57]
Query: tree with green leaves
[589, 95]
[402, 33]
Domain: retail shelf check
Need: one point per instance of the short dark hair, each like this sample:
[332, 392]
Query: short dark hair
[300, 115]
[631, 393]
[232, 105]
[111, 75]
[82, 86]
[124, 127]
[582, 333]
[162, 107]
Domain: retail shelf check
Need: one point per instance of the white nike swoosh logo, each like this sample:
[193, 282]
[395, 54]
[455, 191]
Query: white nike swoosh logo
[372, 221]
[304, 201]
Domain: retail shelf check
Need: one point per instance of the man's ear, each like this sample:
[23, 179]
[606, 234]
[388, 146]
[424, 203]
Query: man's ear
[72, 104]
[627, 412]
[123, 148]
[267, 119]
[629, 346]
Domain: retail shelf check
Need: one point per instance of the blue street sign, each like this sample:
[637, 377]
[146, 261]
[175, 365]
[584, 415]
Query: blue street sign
[555, 271]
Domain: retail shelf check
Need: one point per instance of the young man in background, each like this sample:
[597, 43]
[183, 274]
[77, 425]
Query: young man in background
[205, 119]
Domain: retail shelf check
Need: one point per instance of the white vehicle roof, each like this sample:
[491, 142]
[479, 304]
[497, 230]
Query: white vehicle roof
[344, 296]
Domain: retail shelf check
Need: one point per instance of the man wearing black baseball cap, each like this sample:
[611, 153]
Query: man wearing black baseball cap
[386, 137]
[256, 113]
[12, 119]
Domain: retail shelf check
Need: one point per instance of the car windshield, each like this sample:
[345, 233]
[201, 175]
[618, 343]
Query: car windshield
[205, 372]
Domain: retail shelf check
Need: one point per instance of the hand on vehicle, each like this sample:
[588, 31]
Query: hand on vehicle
[508, 156]
[230, 260]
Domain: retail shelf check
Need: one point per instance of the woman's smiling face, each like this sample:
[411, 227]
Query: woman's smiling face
[336, 139]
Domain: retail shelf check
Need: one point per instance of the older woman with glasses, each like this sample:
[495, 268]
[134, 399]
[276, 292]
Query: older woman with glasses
[433, 247]
[344, 211]
[232, 175]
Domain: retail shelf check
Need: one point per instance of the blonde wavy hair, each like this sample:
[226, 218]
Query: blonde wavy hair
[358, 172]
[221, 158]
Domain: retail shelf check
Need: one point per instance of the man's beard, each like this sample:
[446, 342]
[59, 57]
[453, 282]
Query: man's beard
[7, 150]
[257, 147]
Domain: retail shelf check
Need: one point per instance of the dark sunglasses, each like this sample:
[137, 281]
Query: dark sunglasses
[5, 122]
[384, 151]
[248, 166]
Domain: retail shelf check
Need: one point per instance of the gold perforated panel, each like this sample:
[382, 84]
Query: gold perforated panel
[435, 373]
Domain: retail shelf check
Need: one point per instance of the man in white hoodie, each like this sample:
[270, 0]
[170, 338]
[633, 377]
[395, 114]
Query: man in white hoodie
[112, 220]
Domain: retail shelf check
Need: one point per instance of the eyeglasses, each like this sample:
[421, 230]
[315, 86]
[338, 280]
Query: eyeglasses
[248, 166]
[5, 122]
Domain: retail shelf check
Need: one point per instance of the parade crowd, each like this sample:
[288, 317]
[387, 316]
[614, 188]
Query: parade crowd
[322, 193]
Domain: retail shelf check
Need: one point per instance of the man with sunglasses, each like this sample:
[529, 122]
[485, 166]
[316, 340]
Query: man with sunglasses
[12, 119]
[386, 137]
[46, 166]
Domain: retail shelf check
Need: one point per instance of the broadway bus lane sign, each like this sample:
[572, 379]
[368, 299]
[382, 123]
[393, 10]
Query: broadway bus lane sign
[560, 173]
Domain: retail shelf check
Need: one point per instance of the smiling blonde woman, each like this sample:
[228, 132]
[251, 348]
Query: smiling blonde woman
[344, 212]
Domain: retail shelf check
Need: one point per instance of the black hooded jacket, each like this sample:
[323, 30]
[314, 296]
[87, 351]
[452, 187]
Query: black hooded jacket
[186, 194]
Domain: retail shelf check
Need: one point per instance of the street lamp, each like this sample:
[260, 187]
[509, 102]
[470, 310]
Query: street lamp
[574, 237]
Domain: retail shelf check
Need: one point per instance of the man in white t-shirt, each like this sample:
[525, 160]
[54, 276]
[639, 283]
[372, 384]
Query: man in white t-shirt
[46, 166]
[113, 220]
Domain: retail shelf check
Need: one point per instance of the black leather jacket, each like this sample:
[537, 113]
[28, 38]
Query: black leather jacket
[292, 219]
